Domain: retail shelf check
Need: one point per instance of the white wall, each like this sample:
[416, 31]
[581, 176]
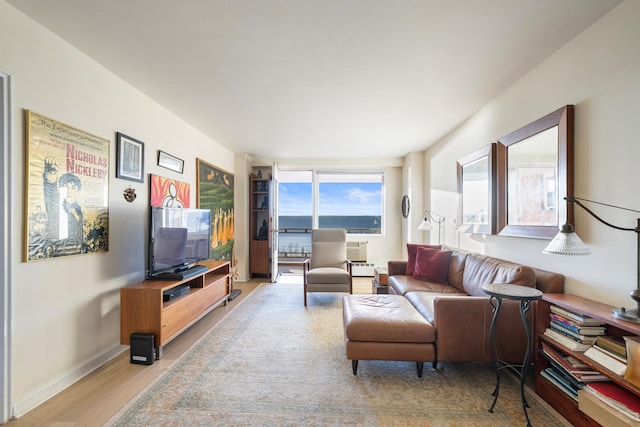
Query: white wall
[599, 73]
[66, 318]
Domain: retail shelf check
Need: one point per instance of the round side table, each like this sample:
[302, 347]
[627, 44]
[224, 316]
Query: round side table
[525, 295]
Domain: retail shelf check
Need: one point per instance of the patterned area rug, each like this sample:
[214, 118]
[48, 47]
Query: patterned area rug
[273, 362]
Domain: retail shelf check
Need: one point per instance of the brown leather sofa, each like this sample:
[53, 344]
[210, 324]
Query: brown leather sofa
[460, 311]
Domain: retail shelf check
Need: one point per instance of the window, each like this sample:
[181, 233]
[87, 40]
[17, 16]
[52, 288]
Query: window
[351, 200]
[308, 199]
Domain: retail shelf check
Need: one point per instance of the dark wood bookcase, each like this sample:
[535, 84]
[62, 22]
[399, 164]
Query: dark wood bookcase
[548, 391]
[260, 242]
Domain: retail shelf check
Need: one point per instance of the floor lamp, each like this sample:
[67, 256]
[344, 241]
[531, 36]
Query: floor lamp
[567, 242]
[431, 217]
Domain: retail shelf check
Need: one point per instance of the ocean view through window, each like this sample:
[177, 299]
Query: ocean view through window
[352, 200]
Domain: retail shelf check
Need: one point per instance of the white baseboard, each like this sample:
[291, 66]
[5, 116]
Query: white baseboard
[20, 408]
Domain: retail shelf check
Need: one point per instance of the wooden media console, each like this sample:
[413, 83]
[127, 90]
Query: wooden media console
[144, 310]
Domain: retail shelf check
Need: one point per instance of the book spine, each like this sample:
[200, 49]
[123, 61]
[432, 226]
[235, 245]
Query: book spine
[607, 361]
[568, 391]
[612, 346]
[611, 354]
[566, 313]
[566, 341]
[581, 338]
[558, 321]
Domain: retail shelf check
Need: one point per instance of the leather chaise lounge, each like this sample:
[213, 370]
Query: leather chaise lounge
[444, 320]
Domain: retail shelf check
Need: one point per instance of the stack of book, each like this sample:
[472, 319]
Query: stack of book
[611, 352]
[567, 373]
[575, 331]
[618, 399]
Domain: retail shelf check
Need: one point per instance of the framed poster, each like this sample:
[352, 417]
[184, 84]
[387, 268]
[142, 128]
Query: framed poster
[169, 193]
[67, 190]
[168, 161]
[129, 158]
[215, 191]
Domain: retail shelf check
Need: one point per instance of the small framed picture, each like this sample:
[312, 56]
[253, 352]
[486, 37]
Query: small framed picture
[129, 158]
[170, 162]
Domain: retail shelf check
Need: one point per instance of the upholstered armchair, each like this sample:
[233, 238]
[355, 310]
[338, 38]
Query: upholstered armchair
[328, 269]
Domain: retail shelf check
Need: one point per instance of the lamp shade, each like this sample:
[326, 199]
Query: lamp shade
[425, 225]
[567, 242]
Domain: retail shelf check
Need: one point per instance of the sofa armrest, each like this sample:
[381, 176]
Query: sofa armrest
[463, 326]
[396, 267]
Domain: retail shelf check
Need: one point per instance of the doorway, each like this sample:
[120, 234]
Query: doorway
[295, 220]
[5, 215]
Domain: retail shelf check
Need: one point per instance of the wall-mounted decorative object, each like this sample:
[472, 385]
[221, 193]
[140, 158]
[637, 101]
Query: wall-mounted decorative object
[170, 162]
[169, 193]
[477, 191]
[129, 158]
[215, 191]
[67, 183]
[405, 206]
[130, 194]
[535, 171]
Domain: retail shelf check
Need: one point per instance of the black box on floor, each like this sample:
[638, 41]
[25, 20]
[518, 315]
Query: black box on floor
[143, 350]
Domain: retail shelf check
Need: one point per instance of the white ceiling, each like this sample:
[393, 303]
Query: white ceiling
[319, 78]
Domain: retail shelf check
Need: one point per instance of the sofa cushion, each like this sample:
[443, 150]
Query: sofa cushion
[423, 302]
[402, 284]
[432, 265]
[412, 249]
[481, 269]
[456, 268]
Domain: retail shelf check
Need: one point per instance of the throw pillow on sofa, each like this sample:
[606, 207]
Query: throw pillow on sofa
[432, 265]
[412, 249]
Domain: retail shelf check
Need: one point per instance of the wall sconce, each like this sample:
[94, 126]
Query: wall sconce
[431, 217]
[567, 242]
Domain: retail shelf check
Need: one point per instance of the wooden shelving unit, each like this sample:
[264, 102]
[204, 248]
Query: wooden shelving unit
[260, 243]
[143, 310]
[549, 392]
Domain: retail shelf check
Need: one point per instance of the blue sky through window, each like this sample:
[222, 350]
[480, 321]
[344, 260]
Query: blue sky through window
[345, 199]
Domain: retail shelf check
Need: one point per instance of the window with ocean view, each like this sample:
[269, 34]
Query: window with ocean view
[352, 200]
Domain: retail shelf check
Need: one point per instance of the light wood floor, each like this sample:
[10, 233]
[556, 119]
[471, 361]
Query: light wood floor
[96, 398]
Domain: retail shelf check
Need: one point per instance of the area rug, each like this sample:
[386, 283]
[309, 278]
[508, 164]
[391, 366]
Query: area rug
[273, 362]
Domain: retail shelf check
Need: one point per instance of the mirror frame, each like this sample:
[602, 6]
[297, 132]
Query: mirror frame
[563, 119]
[489, 152]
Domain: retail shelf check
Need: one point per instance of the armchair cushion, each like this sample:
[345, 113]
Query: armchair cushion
[325, 275]
[328, 254]
[432, 265]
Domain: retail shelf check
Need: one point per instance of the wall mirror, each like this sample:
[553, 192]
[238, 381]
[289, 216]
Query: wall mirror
[535, 173]
[476, 191]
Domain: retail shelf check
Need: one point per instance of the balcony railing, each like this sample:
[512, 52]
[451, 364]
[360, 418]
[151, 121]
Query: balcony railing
[294, 243]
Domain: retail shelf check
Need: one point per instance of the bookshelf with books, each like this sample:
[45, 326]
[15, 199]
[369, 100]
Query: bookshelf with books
[569, 364]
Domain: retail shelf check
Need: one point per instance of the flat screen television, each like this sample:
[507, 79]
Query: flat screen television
[178, 239]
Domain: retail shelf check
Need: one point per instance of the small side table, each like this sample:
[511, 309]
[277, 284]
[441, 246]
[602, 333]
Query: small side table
[525, 295]
[381, 275]
[380, 282]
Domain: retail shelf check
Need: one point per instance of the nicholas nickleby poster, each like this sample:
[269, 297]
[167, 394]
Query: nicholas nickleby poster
[67, 190]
